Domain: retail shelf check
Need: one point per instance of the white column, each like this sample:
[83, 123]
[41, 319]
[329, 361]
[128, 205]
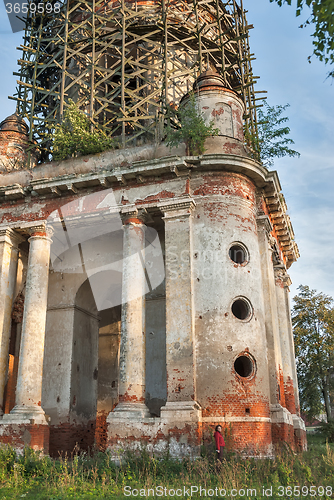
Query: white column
[180, 355]
[29, 379]
[282, 281]
[132, 350]
[270, 306]
[279, 414]
[9, 241]
[292, 347]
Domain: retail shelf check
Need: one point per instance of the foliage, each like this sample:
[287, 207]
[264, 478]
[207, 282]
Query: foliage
[323, 20]
[33, 476]
[188, 126]
[327, 430]
[73, 136]
[272, 140]
[313, 322]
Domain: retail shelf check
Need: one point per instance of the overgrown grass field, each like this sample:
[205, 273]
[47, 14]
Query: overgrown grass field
[306, 475]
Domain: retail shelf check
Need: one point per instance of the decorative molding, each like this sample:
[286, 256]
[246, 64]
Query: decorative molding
[176, 204]
[11, 237]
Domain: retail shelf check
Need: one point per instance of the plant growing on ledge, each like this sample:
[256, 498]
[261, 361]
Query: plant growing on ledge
[187, 125]
[73, 136]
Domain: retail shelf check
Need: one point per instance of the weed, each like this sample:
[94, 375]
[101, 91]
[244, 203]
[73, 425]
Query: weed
[187, 124]
[81, 476]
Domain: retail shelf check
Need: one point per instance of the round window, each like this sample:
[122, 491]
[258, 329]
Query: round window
[238, 253]
[244, 366]
[241, 308]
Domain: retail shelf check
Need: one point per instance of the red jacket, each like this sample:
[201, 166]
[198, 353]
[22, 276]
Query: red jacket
[219, 440]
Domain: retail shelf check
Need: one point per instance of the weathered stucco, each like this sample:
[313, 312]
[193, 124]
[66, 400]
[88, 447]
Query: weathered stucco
[161, 308]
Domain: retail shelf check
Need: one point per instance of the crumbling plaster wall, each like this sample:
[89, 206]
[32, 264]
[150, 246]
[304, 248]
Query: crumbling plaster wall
[224, 212]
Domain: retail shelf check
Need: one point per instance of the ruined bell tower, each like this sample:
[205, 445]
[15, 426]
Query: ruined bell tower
[125, 62]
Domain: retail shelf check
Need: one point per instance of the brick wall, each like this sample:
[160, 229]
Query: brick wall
[19, 436]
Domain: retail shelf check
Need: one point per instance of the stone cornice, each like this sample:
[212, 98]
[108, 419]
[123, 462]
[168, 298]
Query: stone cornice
[24, 228]
[118, 168]
[281, 222]
[9, 236]
[140, 172]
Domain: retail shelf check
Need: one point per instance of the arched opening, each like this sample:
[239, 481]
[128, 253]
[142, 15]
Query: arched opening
[84, 367]
[95, 358]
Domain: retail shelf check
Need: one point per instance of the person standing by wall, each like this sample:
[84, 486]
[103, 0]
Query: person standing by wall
[220, 443]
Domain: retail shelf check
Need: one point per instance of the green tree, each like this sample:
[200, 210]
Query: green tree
[187, 125]
[272, 137]
[73, 136]
[313, 328]
[322, 17]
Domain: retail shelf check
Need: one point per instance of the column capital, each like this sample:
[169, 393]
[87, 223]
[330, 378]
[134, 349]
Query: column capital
[264, 222]
[282, 276]
[177, 207]
[40, 231]
[11, 237]
[130, 214]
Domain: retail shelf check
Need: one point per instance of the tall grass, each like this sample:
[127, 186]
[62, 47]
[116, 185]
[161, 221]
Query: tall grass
[81, 476]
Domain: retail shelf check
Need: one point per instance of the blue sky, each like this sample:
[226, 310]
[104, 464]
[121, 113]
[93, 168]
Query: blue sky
[281, 51]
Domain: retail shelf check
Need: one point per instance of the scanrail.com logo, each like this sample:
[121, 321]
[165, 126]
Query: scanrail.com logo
[97, 240]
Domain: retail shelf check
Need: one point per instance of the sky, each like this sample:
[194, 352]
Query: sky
[281, 49]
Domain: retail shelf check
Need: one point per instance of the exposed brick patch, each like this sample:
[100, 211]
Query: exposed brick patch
[66, 437]
[14, 151]
[32, 435]
[300, 440]
[226, 183]
[283, 433]
[250, 437]
[128, 398]
[156, 197]
[290, 402]
[101, 430]
[280, 388]
[236, 404]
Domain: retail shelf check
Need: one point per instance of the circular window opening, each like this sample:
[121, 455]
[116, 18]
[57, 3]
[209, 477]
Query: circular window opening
[244, 366]
[238, 253]
[241, 309]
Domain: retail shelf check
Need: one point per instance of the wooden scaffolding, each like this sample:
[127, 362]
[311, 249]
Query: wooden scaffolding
[124, 62]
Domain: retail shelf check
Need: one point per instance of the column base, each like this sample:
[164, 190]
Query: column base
[128, 411]
[177, 431]
[300, 433]
[25, 426]
[280, 415]
[281, 426]
[181, 411]
[24, 414]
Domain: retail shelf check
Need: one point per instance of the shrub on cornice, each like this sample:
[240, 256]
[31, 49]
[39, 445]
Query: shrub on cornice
[73, 136]
[187, 125]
